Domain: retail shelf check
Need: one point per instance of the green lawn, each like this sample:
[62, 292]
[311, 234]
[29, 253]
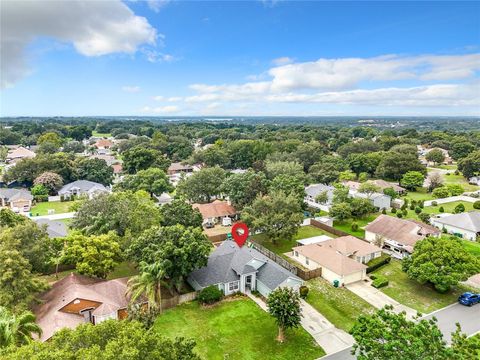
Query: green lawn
[419, 194]
[235, 329]
[98, 134]
[448, 208]
[339, 305]
[472, 247]
[409, 292]
[283, 246]
[459, 179]
[347, 225]
[60, 207]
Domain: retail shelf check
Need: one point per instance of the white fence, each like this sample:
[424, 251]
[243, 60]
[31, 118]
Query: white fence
[451, 199]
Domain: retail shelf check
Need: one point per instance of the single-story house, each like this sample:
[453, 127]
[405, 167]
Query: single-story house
[109, 159]
[380, 201]
[103, 144]
[342, 259]
[82, 188]
[78, 299]
[16, 199]
[216, 211]
[382, 184]
[313, 240]
[19, 153]
[178, 167]
[311, 193]
[163, 198]
[465, 225]
[241, 269]
[398, 236]
[55, 228]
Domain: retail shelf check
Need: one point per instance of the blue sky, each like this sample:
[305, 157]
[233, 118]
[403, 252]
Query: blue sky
[171, 58]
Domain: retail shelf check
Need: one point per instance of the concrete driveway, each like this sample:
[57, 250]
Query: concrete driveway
[68, 215]
[377, 298]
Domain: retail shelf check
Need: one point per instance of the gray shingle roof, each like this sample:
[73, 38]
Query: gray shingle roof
[468, 221]
[15, 194]
[228, 262]
[316, 189]
[83, 185]
[54, 228]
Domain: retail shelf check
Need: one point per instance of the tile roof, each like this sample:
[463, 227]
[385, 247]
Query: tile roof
[217, 208]
[406, 232]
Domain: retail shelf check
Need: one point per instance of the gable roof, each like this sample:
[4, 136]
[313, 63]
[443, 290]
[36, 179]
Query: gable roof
[111, 294]
[382, 184]
[54, 228]
[20, 153]
[406, 232]
[467, 221]
[217, 208]
[178, 166]
[83, 185]
[228, 261]
[316, 189]
[15, 194]
[103, 143]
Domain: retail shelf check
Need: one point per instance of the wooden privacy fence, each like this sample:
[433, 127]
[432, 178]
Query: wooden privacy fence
[327, 228]
[303, 274]
[217, 238]
[178, 299]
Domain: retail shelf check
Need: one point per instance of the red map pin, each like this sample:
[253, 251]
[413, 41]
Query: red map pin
[240, 233]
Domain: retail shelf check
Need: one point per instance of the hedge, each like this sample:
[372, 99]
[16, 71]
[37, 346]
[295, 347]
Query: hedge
[378, 262]
[380, 281]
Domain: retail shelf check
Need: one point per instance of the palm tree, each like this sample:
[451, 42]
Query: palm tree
[17, 329]
[148, 284]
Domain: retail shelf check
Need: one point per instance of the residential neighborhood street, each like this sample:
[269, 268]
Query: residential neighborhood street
[467, 317]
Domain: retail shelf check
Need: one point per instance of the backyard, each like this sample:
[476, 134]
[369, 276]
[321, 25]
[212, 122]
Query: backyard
[283, 246]
[235, 329]
[472, 247]
[60, 207]
[346, 225]
[434, 210]
[339, 305]
[409, 292]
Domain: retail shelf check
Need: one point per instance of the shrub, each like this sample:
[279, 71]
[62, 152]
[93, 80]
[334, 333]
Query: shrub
[424, 217]
[393, 211]
[421, 204]
[457, 172]
[418, 210]
[384, 211]
[354, 227]
[476, 204]
[404, 212]
[377, 263]
[210, 295]
[380, 281]
[399, 215]
[441, 192]
[459, 208]
[434, 203]
[304, 291]
[412, 206]
[441, 209]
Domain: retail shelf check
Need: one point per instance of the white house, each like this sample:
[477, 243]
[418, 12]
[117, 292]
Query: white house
[86, 188]
[464, 225]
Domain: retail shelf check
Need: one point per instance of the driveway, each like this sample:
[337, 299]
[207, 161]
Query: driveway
[68, 215]
[377, 298]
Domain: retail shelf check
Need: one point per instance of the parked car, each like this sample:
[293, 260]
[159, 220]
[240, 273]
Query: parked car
[469, 299]
[209, 225]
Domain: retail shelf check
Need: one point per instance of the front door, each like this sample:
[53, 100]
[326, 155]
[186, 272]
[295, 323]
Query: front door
[248, 282]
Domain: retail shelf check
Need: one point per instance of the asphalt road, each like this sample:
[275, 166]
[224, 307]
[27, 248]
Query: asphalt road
[467, 317]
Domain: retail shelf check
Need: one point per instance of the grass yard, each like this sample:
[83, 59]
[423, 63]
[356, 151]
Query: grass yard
[472, 247]
[433, 210]
[339, 305]
[459, 179]
[419, 194]
[347, 225]
[284, 246]
[409, 292]
[60, 207]
[98, 134]
[235, 329]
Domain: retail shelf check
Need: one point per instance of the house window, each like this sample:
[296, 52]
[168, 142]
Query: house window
[296, 253]
[233, 286]
[307, 261]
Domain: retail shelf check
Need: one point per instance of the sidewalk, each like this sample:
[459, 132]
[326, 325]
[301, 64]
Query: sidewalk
[68, 215]
[377, 298]
[325, 334]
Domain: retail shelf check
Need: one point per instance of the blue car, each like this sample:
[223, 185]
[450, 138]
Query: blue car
[469, 299]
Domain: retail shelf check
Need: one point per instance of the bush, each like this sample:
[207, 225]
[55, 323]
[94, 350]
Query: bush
[384, 211]
[393, 211]
[412, 206]
[399, 215]
[441, 209]
[373, 276]
[380, 281]
[354, 227]
[210, 295]
[425, 217]
[434, 203]
[418, 210]
[460, 208]
[476, 204]
[421, 204]
[441, 192]
[304, 291]
[404, 212]
[377, 263]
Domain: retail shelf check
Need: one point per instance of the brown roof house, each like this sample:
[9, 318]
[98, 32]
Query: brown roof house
[17, 200]
[398, 236]
[342, 259]
[78, 299]
[217, 212]
[103, 144]
[19, 153]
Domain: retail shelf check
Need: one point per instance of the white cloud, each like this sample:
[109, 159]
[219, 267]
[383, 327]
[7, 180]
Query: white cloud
[154, 56]
[282, 61]
[131, 89]
[94, 28]
[157, 5]
[159, 98]
[161, 109]
[174, 99]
